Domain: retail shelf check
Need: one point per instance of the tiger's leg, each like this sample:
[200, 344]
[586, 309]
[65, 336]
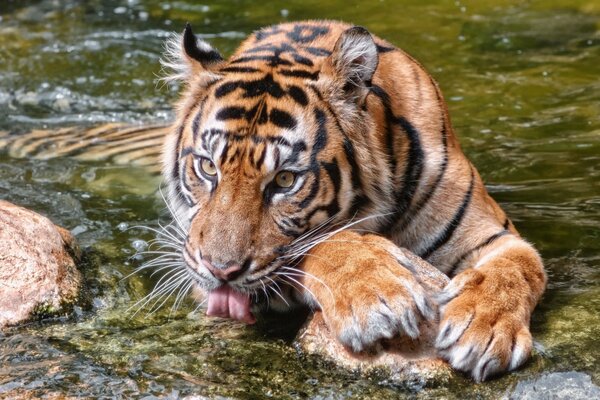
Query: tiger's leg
[364, 292]
[485, 310]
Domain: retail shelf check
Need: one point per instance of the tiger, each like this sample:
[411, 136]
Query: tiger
[306, 160]
[321, 146]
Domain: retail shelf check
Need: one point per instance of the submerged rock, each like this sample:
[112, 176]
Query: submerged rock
[401, 359]
[38, 275]
[558, 385]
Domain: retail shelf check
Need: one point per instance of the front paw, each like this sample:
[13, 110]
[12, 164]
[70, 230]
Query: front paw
[484, 328]
[382, 301]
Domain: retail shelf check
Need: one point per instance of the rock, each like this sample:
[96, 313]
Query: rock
[401, 359]
[557, 385]
[38, 275]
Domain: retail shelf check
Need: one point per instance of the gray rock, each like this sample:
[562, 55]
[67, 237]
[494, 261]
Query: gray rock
[557, 385]
[401, 359]
[38, 275]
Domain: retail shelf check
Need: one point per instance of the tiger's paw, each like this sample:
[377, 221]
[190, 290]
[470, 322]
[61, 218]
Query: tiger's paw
[378, 312]
[484, 328]
[384, 302]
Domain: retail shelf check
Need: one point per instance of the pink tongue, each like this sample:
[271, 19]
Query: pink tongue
[225, 302]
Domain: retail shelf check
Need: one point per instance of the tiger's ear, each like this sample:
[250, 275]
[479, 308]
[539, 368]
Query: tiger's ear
[187, 57]
[353, 61]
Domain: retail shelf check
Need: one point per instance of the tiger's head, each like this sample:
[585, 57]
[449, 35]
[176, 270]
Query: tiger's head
[263, 151]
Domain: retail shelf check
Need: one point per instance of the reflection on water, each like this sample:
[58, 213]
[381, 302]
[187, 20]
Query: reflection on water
[521, 80]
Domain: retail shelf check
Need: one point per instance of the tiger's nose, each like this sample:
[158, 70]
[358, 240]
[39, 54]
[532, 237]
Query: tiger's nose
[224, 274]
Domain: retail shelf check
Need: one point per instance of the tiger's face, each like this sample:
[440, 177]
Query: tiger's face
[255, 186]
[257, 159]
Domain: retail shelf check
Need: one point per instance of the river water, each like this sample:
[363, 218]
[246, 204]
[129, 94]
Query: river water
[523, 86]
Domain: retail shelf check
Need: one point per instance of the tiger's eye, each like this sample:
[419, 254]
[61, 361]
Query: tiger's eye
[285, 179]
[208, 167]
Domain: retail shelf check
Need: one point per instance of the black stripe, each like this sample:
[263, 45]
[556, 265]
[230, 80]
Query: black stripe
[317, 51]
[224, 152]
[333, 170]
[409, 217]
[226, 113]
[282, 119]
[298, 73]
[412, 174]
[240, 69]
[321, 134]
[226, 88]
[506, 223]
[298, 95]
[389, 122]
[196, 121]
[302, 60]
[297, 222]
[186, 197]
[481, 245]
[318, 145]
[297, 148]
[351, 158]
[274, 60]
[261, 159]
[253, 88]
[312, 193]
[277, 157]
[449, 229]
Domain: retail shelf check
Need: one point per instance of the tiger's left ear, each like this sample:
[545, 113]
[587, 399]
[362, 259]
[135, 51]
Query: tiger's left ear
[187, 57]
[353, 61]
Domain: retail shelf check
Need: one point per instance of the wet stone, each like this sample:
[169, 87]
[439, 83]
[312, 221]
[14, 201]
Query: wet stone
[558, 385]
[38, 274]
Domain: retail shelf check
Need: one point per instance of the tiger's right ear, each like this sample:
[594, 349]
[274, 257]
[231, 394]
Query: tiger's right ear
[186, 57]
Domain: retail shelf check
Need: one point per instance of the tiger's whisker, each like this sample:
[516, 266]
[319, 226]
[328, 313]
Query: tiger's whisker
[301, 285]
[297, 272]
[277, 292]
[183, 291]
[158, 289]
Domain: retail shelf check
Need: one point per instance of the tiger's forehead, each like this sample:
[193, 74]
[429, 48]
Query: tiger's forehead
[260, 120]
[266, 153]
[259, 103]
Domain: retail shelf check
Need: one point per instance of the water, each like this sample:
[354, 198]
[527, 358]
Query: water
[521, 80]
